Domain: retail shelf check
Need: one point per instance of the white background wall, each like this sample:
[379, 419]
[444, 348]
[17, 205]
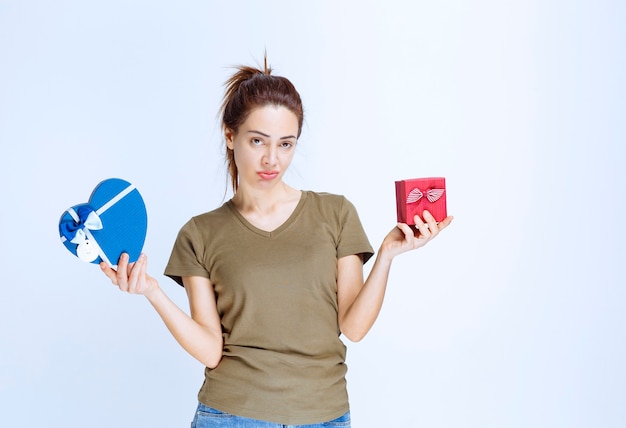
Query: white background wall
[514, 317]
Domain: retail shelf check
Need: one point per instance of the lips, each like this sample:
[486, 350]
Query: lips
[268, 175]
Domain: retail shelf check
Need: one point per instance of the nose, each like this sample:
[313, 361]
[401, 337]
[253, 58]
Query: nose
[270, 156]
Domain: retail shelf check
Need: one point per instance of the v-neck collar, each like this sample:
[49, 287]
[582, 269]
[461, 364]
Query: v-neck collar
[273, 233]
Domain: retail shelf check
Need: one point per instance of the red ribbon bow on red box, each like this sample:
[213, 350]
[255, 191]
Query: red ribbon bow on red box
[431, 194]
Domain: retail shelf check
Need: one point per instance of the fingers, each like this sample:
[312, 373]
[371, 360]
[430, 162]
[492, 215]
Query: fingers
[121, 276]
[110, 273]
[409, 235]
[129, 277]
[404, 237]
[429, 228]
[426, 228]
[445, 222]
[137, 275]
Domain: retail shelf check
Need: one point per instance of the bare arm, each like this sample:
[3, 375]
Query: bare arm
[200, 335]
[360, 303]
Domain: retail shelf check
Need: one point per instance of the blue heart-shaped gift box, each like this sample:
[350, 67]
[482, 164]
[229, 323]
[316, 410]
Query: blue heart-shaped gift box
[114, 221]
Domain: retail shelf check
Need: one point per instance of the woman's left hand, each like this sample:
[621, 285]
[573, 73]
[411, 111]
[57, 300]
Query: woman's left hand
[404, 238]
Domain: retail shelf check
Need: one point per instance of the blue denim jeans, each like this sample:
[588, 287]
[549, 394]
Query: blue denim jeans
[208, 417]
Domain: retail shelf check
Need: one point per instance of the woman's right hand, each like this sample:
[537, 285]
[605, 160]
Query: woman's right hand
[131, 277]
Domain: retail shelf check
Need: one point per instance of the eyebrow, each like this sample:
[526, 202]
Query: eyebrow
[269, 136]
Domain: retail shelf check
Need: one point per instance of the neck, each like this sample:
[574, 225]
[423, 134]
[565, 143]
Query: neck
[248, 200]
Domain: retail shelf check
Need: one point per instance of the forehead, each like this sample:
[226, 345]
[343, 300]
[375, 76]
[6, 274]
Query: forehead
[272, 120]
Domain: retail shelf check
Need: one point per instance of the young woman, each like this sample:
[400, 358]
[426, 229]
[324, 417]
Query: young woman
[274, 276]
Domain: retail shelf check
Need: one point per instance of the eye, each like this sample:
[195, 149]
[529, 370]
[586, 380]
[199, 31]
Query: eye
[256, 142]
[286, 144]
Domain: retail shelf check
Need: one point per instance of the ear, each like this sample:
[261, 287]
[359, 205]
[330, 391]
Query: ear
[229, 135]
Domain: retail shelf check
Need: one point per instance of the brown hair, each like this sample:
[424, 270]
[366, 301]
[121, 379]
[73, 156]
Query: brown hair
[248, 89]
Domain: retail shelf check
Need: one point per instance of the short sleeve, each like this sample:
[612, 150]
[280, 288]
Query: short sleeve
[187, 257]
[352, 237]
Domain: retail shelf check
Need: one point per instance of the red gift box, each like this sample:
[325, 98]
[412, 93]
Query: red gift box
[415, 195]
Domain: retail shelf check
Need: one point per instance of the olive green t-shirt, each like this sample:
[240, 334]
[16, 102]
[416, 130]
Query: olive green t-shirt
[283, 360]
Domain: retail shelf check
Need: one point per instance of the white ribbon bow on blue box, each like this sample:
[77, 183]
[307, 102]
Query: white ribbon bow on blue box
[114, 221]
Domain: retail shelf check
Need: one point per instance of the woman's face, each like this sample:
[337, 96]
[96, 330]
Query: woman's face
[264, 146]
